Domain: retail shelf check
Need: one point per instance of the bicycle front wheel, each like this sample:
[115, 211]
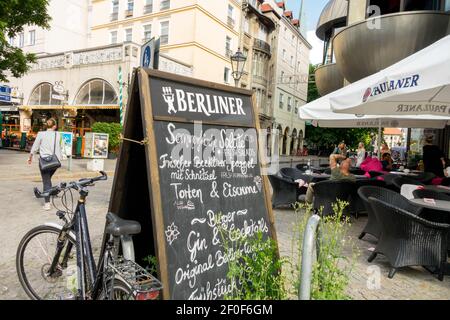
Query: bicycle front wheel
[35, 254]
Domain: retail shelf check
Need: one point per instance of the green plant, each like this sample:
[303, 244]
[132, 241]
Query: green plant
[152, 264]
[331, 271]
[255, 267]
[113, 129]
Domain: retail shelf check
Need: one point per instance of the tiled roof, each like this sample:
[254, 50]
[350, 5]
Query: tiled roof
[288, 14]
[393, 131]
[265, 7]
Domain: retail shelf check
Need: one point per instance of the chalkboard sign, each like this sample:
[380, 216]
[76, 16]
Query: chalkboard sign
[203, 175]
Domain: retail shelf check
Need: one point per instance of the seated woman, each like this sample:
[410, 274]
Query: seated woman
[371, 164]
[386, 161]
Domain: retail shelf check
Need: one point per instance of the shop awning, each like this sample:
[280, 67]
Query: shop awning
[417, 85]
[70, 107]
[100, 107]
[10, 108]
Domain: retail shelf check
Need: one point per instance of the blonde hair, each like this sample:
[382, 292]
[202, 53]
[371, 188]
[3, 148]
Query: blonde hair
[51, 123]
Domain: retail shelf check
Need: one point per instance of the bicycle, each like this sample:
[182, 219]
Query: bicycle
[62, 273]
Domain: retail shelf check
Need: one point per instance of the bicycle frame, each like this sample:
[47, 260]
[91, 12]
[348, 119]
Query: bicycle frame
[85, 257]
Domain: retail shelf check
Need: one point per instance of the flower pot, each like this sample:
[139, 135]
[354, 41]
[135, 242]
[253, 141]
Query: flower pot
[112, 155]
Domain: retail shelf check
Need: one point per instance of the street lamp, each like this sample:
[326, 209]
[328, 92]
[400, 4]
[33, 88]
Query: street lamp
[237, 63]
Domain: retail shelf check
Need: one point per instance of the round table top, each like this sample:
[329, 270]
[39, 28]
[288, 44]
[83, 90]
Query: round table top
[328, 176]
[401, 173]
[437, 205]
[318, 175]
[437, 188]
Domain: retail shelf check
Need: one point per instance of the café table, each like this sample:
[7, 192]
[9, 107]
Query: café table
[406, 174]
[440, 205]
[316, 177]
[438, 188]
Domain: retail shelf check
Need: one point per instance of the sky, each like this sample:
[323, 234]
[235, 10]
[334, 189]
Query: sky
[312, 10]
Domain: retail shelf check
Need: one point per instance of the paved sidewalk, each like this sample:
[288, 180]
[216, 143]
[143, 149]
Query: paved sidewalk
[20, 211]
[13, 166]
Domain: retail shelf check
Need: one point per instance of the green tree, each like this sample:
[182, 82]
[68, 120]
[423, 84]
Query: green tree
[313, 93]
[326, 138]
[113, 129]
[14, 15]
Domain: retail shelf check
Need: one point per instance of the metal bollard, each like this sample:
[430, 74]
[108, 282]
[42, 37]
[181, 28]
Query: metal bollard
[309, 243]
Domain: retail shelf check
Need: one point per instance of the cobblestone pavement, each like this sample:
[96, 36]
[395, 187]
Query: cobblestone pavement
[20, 211]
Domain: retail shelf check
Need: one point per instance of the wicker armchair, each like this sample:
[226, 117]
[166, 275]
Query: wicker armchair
[446, 182]
[327, 192]
[424, 177]
[374, 174]
[372, 225]
[408, 240]
[357, 205]
[399, 181]
[291, 173]
[302, 167]
[285, 191]
[357, 171]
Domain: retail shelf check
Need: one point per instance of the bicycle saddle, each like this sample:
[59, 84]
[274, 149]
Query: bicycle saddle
[120, 227]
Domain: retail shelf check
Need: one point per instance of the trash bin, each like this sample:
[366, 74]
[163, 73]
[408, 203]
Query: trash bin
[23, 140]
[79, 145]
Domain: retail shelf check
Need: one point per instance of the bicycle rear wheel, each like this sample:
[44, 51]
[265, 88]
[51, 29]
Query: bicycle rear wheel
[120, 291]
[35, 254]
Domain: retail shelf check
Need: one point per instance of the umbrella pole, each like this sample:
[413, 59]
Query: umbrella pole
[379, 139]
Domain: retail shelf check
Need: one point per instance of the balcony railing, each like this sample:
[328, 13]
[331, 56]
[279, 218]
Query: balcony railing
[128, 13]
[148, 8]
[328, 78]
[262, 45]
[402, 34]
[114, 16]
[165, 5]
[230, 22]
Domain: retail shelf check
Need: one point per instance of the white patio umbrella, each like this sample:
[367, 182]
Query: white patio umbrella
[320, 114]
[417, 85]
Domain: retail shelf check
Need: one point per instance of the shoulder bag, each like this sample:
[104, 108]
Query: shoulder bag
[50, 162]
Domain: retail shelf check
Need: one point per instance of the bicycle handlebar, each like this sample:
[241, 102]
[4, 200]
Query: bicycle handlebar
[54, 191]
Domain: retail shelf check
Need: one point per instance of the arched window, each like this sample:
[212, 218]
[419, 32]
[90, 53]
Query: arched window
[95, 92]
[42, 96]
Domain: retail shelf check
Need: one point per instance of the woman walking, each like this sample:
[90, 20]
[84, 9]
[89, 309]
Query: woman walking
[48, 143]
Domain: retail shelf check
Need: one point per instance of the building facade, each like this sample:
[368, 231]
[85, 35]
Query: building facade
[394, 137]
[291, 85]
[93, 52]
[89, 85]
[201, 33]
[276, 70]
[69, 29]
